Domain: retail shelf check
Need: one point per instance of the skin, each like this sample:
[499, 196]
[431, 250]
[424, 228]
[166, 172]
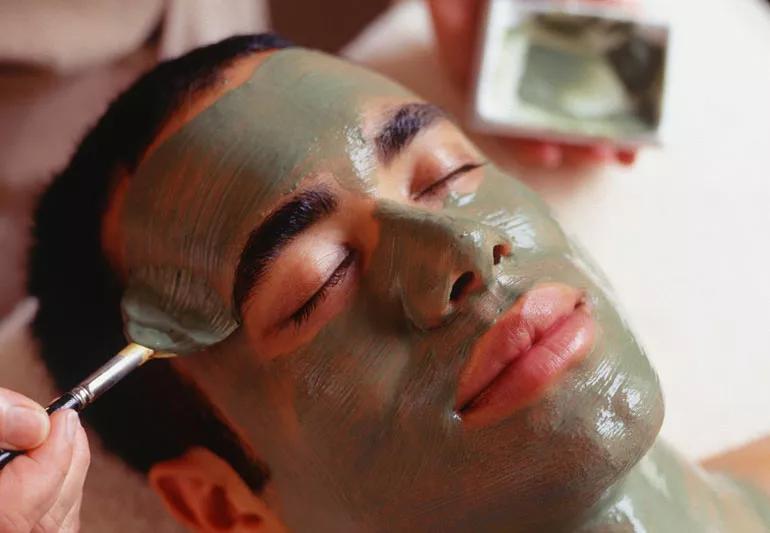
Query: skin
[353, 409]
[746, 463]
[41, 490]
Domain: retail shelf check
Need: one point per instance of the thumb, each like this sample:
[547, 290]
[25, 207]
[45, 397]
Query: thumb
[456, 27]
[23, 423]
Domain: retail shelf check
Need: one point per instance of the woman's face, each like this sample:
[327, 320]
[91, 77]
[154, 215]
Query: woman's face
[399, 330]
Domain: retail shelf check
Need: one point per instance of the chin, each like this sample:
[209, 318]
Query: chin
[600, 433]
[567, 450]
[606, 413]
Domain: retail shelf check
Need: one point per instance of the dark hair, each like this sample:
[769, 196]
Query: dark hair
[154, 414]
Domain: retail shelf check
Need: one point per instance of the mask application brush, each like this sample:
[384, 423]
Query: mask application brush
[87, 391]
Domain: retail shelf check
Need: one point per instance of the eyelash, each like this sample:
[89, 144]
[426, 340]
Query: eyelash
[303, 313]
[441, 184]
[299, 317]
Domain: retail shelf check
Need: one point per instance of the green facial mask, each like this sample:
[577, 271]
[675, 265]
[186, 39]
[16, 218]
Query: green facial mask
[358, 425]
[192, 204]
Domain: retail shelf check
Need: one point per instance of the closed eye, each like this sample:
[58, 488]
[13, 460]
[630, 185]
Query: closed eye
[303, 314]
[441, 185]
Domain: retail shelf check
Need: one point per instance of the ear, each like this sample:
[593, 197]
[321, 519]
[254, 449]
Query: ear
[205, 494]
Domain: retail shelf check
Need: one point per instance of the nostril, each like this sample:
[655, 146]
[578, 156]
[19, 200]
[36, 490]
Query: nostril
[499, 251]
[460, 286]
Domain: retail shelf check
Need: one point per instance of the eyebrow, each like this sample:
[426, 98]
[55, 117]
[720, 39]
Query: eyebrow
[265, 242]
[402, 126]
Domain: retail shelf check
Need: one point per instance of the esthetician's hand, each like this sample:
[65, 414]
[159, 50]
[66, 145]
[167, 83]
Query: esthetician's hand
[41, 490]
[456, 23]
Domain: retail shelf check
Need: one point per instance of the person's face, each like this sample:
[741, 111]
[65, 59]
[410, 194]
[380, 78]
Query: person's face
[356, 249]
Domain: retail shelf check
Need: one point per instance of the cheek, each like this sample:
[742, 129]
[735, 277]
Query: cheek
[505, 203]
[349, 376]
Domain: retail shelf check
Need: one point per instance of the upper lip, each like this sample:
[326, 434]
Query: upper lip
[532, 316]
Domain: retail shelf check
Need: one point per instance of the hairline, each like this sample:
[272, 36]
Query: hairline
[114, 146]
[203, 96]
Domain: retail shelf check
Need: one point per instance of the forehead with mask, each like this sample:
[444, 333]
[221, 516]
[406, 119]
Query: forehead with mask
[328, 249]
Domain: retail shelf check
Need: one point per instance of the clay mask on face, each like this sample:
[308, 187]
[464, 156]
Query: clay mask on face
[358, 424]
[192, 204]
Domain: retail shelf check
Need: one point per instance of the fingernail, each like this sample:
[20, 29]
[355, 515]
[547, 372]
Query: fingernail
[25, 426]
[551, 156]
[602, 153]
[627, 157]
[72, 424]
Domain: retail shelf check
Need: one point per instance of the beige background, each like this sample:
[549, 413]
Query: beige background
[682, 235]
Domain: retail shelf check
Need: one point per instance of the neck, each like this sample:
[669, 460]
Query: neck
[664, 492]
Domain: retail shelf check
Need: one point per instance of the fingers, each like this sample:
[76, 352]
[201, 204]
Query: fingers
[31, 484]
[71, 522]
[456, 26]
[583, 156]
[23, 423]
[536, 153]
[626, 157]
[64, 513]
[551, 155]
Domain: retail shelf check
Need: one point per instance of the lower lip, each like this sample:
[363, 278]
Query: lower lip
[526, 377]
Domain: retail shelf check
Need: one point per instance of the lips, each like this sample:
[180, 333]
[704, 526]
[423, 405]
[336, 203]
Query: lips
[547, 331]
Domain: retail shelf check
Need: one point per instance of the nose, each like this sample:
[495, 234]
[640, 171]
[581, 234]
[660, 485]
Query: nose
[438, 261]
[469, 279]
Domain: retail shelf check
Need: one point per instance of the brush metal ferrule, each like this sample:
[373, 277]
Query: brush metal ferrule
[127, 360]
